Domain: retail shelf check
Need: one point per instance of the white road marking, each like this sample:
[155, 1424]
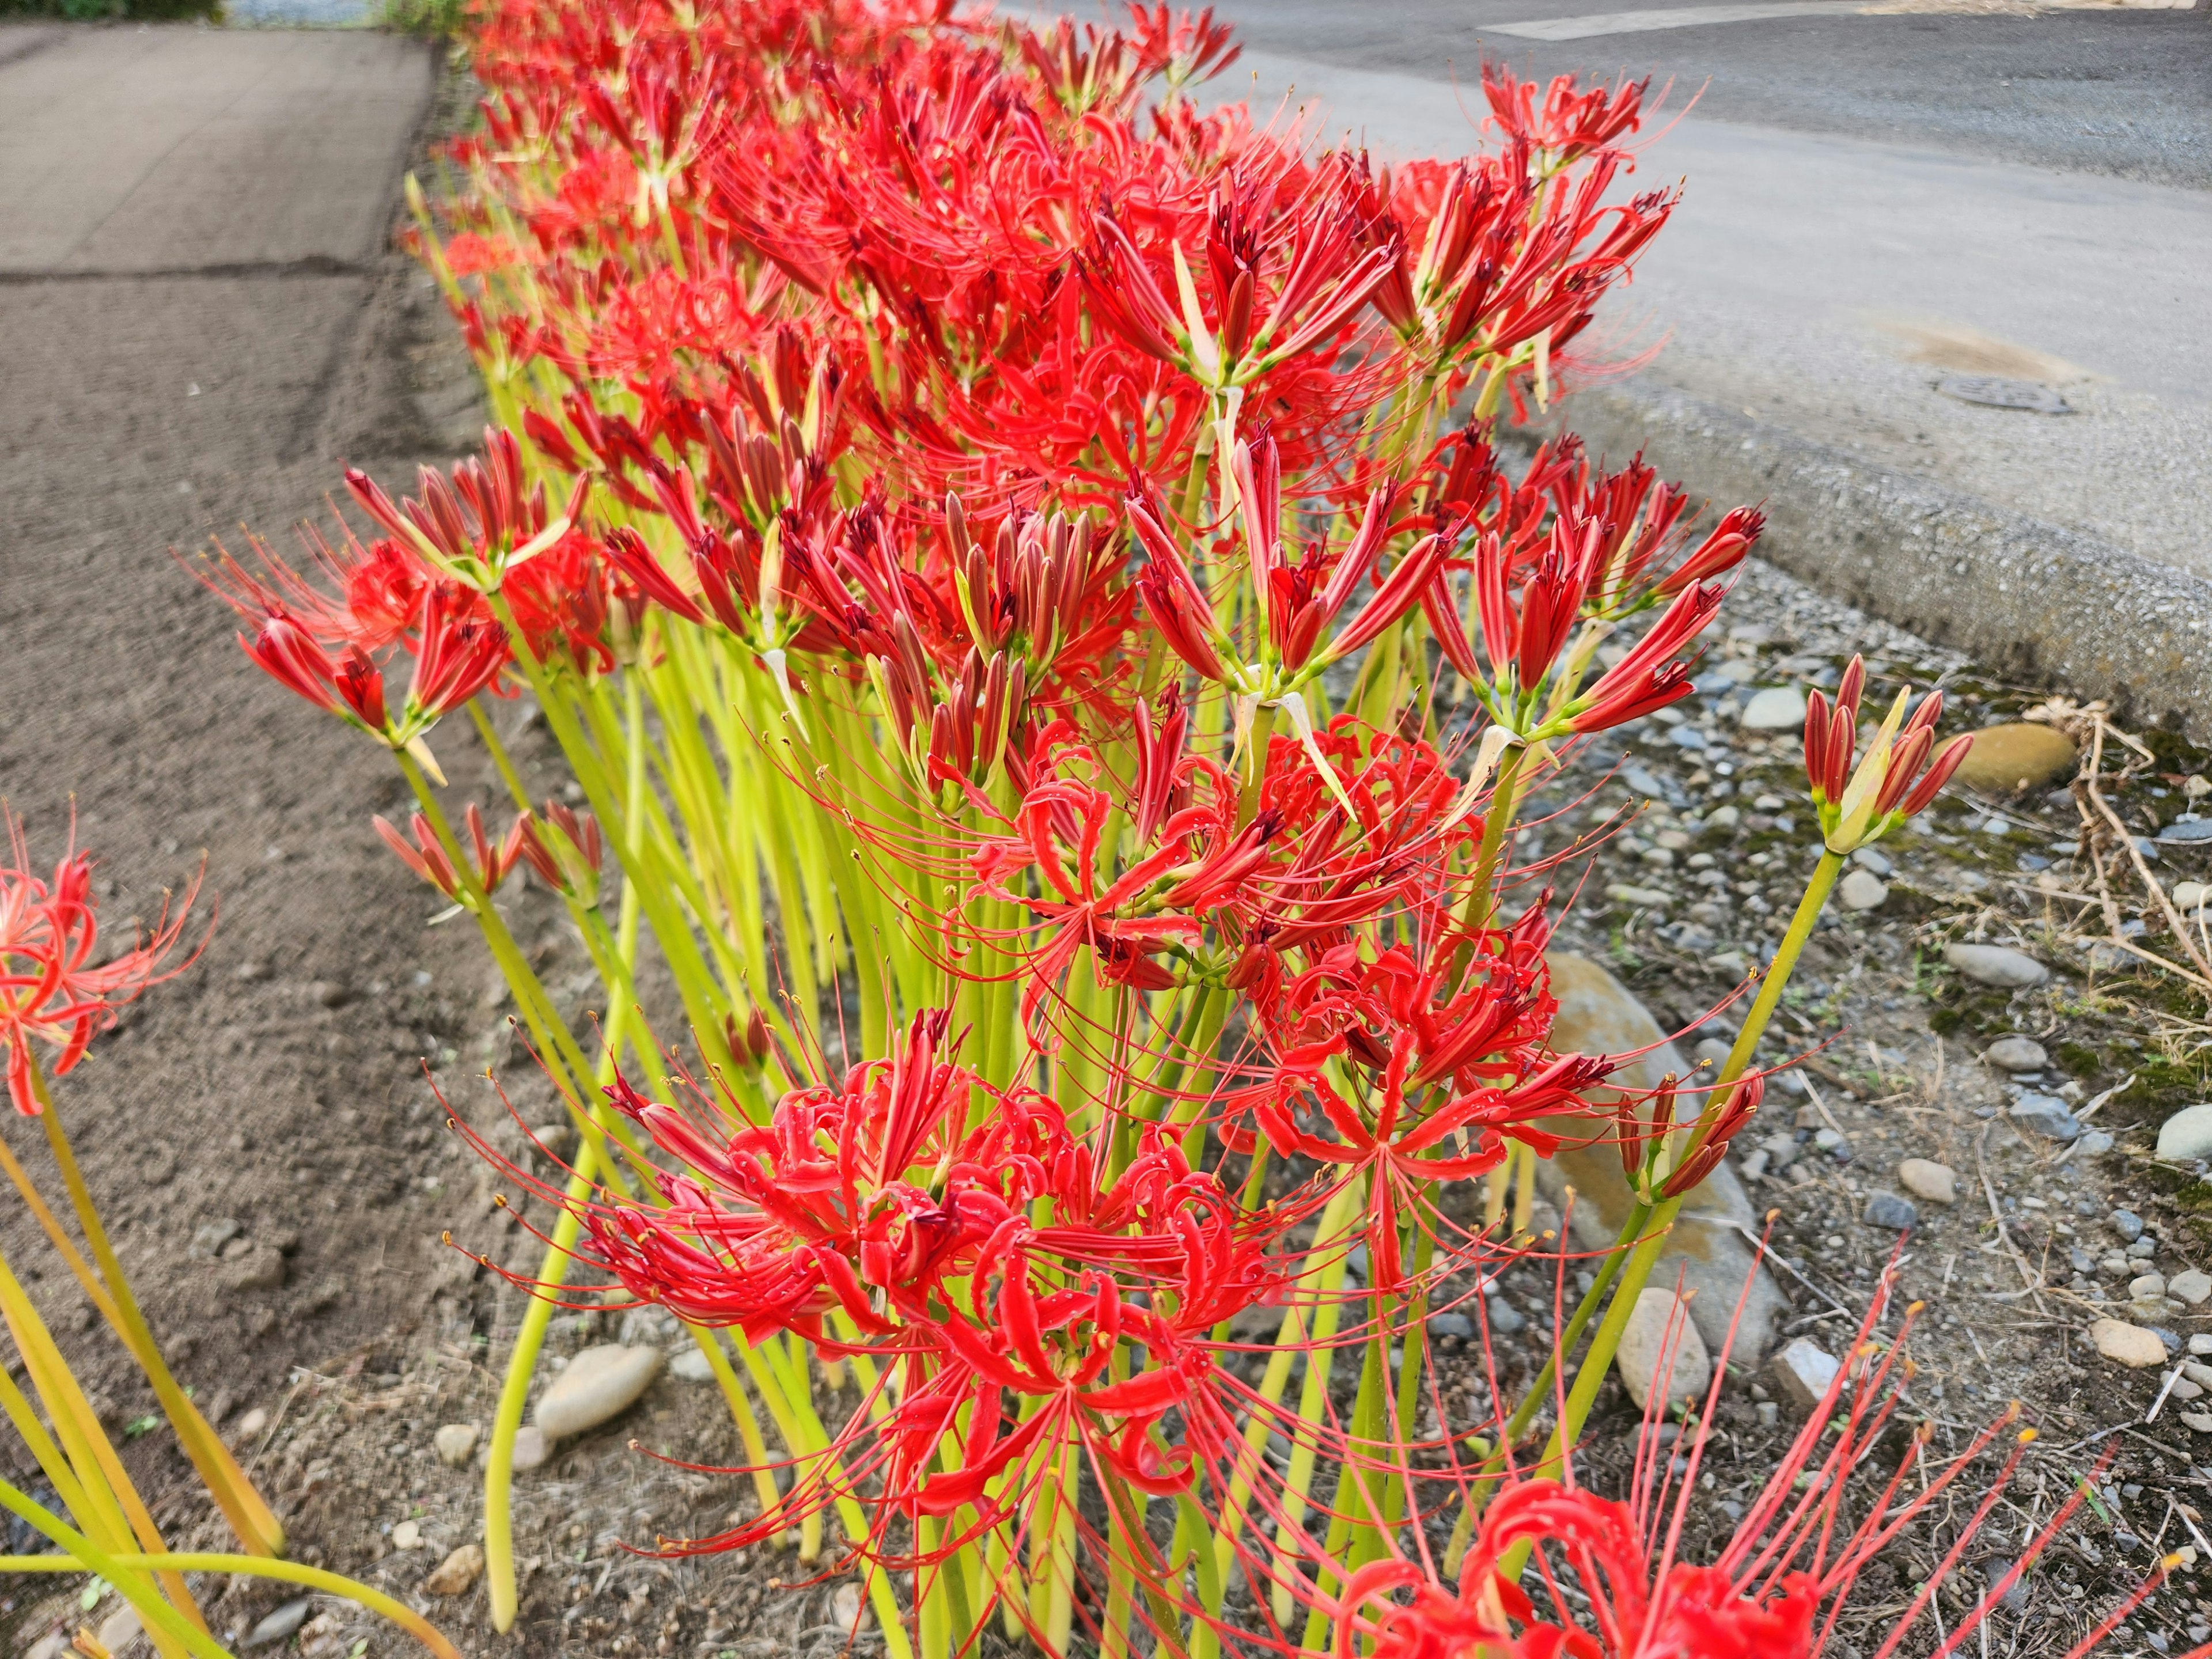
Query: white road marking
[1681, 17]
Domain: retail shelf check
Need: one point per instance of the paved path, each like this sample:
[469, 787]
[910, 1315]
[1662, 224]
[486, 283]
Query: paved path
[135, 150]
[197, 326]
[1823, 284]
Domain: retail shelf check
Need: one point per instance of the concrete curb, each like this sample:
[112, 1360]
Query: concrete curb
[2040, 604]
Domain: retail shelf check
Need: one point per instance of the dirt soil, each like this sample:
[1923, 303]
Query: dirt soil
[275, 1095]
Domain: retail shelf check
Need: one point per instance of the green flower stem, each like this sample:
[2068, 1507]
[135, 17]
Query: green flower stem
[1313, 1396]
[1645, 1253]
[241, 1502]
[679, 949]
[1352, 1498]
[111, 1508]
[171, 1630]
[250, 1566]
[515, 1396]
[1496, 826]
[559, 1051]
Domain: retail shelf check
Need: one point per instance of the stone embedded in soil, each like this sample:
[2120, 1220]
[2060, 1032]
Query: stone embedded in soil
[1777, 708]
[2148, 1287]
[2187, 1135]
[453, 1574]
[120, 1628]
[1804, 1370]
[1936, 1184]
[1996, 965]
[1661, 1351]
[845, 1606]
[2047, 1116]
[2016, 1054]
[1647, 897]
[257, 1267]
[1597, 1015]
[2127, 1223]
[530, 1448]
[1505, 1319]
[691, 1366]
[1451, 1324]
[599, 1384]
[1861, 889]
[407, 1535]
[2127, 1345]
[2200, 1421]
[2192, 1287]
[455, 1442]
[210, 1237]
[1888, 1211]
[279, 1625]
[2021, 756]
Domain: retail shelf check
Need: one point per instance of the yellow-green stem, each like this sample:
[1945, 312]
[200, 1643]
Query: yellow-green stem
[1634, 1276]
[250, 1517]
[252, 1566]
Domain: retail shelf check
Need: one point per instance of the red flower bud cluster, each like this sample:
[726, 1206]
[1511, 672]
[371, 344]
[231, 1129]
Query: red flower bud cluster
[57, 986]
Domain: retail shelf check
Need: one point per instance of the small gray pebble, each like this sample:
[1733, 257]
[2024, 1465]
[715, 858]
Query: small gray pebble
[2126, 1223]
[1891, 1212]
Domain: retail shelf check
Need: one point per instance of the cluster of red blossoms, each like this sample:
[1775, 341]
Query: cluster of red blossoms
[936, 440]
[57, 985]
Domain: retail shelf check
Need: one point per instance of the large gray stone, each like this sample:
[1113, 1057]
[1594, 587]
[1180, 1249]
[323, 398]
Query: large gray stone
[1597, 1015]
[1661, 1352]
[2187, 1135]
[598, 1385]
[1995, 964]
[1777, 708]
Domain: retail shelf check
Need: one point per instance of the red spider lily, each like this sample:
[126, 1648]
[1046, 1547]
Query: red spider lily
[52, 987]
[1776, 1590]
[479, 526]
[1182, 50]
[1573, 122]
[1525, 639]
[1649, 678]
[568, 862]
[427, 857]
[1645, 1149]
[1859, 806]
[1297, 601]
[1268, 307]
[314, 646]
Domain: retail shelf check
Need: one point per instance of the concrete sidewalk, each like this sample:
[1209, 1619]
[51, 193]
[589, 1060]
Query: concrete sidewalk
[1801, 308]
[179, 149]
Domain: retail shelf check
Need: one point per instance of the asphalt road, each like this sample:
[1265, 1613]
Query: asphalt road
[1868, 209]
[2127, 92]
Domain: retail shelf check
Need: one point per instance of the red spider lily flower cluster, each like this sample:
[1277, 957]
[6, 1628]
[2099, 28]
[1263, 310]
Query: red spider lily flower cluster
[1899, 775]
[56, 985]
[971, 452]
[1780, 1585]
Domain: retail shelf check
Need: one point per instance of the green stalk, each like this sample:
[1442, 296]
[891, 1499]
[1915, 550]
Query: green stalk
[1637, 1273]
[168, 1625]
[241, 1502]
[515, 1396]
[1313, 1396]
[245, 1566]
